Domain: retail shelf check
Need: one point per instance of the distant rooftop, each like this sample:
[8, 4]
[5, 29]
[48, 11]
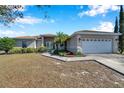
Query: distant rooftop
[48, 35]
[26, 37]
[35, 37]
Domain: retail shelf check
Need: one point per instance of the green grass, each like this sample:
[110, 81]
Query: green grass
[34, 70]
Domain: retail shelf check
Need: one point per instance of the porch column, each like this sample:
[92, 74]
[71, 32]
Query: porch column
[35, 44]
[79, 48]
[42, 44]
[115, 42]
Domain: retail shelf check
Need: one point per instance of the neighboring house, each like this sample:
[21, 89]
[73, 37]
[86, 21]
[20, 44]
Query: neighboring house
[84, 41]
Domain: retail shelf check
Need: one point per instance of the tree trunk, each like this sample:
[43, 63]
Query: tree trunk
[57, 47]
[6, 51]
[121, 51]
[65, 46]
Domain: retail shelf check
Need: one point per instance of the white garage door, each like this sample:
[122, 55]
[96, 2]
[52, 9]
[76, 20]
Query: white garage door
[97, 46]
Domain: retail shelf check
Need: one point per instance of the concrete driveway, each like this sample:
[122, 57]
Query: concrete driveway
[114, 57]
[114, 61]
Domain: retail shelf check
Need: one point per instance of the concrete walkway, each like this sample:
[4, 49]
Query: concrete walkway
[67, 59]
[113, 61]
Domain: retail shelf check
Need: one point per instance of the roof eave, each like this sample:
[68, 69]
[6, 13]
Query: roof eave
[90, 33]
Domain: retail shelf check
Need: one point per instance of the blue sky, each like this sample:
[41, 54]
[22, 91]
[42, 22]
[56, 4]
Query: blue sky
[67, 19]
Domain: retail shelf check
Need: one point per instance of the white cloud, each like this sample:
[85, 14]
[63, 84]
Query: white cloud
[33, 20]
[21, 26]
[28, 20]
[52, 21]
[98, 9]
[10, 33]
[105, 26]
[81, 7]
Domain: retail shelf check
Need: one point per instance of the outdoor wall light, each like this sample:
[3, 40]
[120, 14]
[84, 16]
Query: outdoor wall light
[79, 39]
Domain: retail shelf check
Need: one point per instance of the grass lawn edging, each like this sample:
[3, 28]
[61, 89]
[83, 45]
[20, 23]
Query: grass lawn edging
[68, 59]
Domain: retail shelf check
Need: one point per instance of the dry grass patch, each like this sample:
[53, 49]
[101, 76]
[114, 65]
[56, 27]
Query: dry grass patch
[34, 70]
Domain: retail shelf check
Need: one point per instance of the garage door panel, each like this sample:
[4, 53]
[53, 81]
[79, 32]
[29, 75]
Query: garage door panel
[97, 46]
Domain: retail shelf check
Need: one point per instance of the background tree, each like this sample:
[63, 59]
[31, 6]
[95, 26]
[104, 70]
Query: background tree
[116, 26]
[6, 44]
[121, 30]
[9, 13]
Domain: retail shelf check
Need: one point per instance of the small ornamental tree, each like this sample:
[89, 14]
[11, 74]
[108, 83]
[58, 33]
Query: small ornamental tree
[61, 38]
[6, 44]
[116, 26]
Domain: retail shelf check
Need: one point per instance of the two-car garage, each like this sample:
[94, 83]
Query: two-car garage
[93, 45]
[93, 42]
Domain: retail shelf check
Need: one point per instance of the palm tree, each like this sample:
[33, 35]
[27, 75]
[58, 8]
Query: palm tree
[60, 39]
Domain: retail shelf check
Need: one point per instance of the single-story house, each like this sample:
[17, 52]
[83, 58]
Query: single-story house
[35, 41]
[84, 41]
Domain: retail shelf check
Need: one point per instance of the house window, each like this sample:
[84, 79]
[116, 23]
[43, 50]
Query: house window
[24, 44]
[49, 44]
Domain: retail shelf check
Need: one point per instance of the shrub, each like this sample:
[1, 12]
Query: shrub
[15, 50]
[24, 50]
[42, 49]
[78, 54]
[30, 50]
[62, 53]
[55, 52]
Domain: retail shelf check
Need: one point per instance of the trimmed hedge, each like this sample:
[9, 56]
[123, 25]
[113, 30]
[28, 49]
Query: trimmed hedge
[17, 50]
[42, 49]
[79, 54]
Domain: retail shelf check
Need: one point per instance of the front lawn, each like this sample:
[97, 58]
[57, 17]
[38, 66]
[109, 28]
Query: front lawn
[34, 70]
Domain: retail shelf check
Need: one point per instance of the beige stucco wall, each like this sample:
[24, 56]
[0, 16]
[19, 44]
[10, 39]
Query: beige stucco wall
[38, 43]
[72, 44]
[30, 43]
[115, 44]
